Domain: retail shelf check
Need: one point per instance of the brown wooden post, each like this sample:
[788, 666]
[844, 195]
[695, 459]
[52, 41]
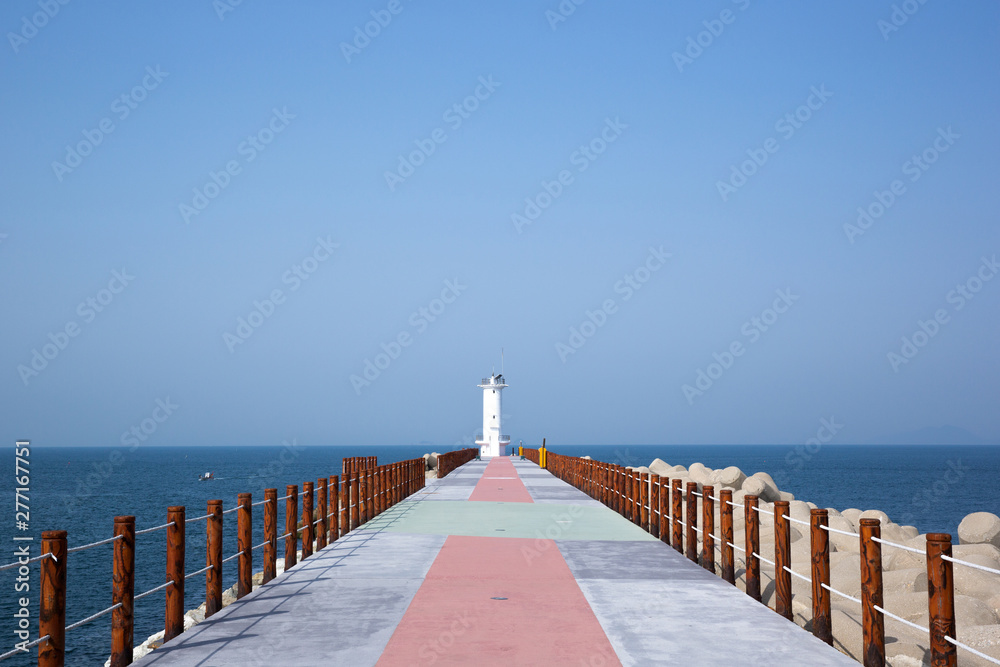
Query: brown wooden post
[213, 557]
[244, 544]
[726, 518]
[654, 504]
[819, 540]
[752, 545]
[676, 512]
[270, 535]
[636, 498]
[782, 559]
[379, 475]
[334, 512]
[52, 600]
[644, 501]
[307, 519]
[345, 506]
[872, 621]
[665, 509]
[322, 484]
[173, 623]
[291, 526]
[941, 600]
[692, 521]
[355, 499]
[123, 592]
[708, 528]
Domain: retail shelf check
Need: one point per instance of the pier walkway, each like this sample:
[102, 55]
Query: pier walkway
[498, 563]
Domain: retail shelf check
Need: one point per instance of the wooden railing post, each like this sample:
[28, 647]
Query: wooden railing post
[334, 512]
[692, 521]
[270, 535]
[782, 559]
[321, 529]
[355, 499]
[244, 544]
[819, 540]
[345, 505]
[213, 557]
[665, 510]
[291, 526]
[752, 546]
[636, 498]
[708, 528]
[173, 623]
[644, 501]
[123, 592]
[872, 621]
[52, 600]
[307, 519]
[676, 512]
[941, 600]
[726, 518]
[654, 504]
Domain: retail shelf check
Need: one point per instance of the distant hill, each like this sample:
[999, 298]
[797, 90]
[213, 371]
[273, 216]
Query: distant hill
[933, 435]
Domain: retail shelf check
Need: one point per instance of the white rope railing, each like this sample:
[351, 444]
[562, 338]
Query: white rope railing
[794, 520]
[841, 594]
[93, 544]
[951, 640]
[235, 555]
[898, 546]
[93, 617]
[285, 497]
[195, 574]
[30, 560]
[261, 502]
[262, 544]
[837, 530]
[231, 510]
[32, 644]
[901, 620]
[198, 518]
[154, 528]
[759, 557]
[153, 590]
[796, 574]
[967, 564]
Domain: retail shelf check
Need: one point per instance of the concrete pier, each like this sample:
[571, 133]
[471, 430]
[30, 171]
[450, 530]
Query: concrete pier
[497, 563]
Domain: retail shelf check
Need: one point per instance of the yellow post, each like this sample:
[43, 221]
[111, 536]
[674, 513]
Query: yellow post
[542, 455]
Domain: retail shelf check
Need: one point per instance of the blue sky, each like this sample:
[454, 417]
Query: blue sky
[232, 165]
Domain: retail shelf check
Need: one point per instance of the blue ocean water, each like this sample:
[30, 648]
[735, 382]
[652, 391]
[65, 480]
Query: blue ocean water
[81, 489]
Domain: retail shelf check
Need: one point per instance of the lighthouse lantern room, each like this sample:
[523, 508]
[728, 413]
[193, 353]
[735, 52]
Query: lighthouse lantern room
[492, 441]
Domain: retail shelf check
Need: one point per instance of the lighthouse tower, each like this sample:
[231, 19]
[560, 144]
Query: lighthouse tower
[492, 441]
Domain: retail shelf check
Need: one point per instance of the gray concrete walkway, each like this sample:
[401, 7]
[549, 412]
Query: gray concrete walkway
[342, 605]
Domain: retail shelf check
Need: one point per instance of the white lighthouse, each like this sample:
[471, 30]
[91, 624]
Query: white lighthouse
[492, 441]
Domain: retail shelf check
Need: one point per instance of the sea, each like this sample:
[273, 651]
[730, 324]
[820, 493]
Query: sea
[81, 490]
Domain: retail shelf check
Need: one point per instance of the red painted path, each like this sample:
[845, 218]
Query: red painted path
[496, 600]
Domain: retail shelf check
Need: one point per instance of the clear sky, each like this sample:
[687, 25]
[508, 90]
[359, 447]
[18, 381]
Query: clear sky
[217, 217]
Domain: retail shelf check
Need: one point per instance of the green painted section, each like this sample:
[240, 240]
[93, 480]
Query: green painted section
[495, 519]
